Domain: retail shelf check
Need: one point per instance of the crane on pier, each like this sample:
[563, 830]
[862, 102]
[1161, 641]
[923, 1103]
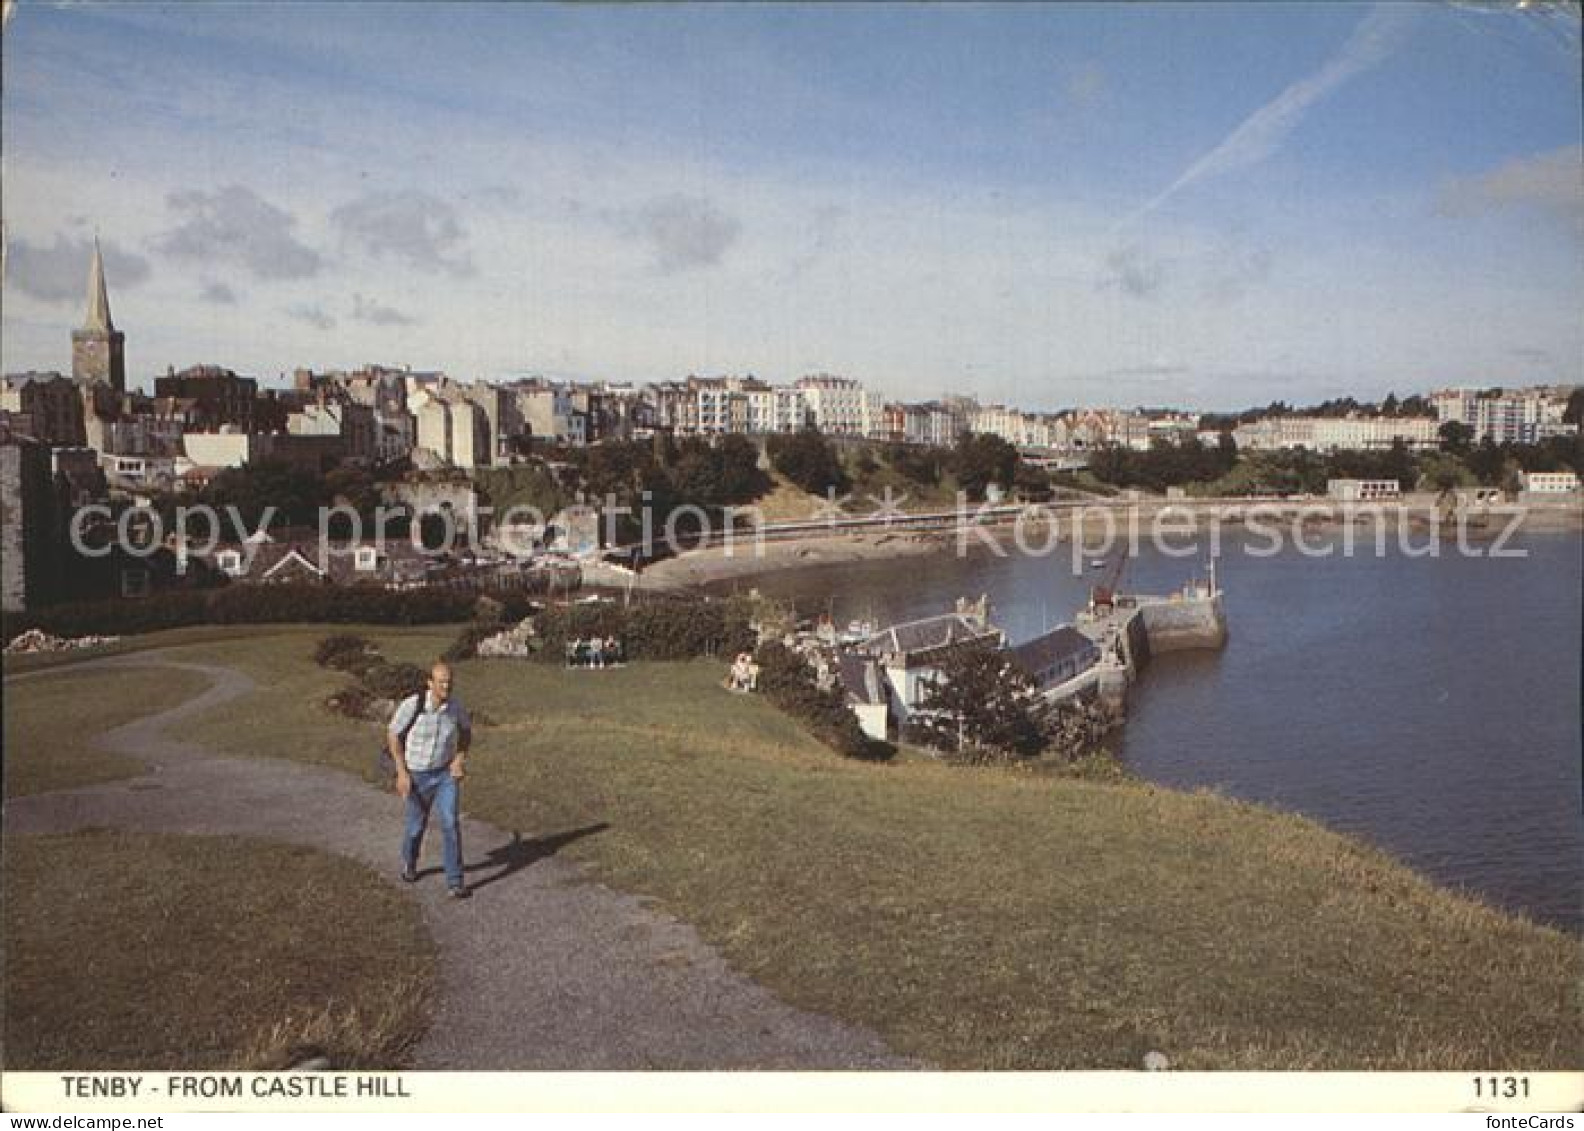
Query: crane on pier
[1102, 595]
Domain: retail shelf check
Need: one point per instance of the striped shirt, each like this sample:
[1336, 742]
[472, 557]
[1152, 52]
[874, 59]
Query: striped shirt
[432, 741]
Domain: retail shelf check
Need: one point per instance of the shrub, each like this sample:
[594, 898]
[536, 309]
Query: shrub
[342, 652]
[354, 702]
[395, 681]
[262, 604]
[786, 681]
[809, 460]
[113, 618]
[515, 605]
[465, 646]
[981, 705]
[1076, 732]
[668, 628]
[487, 610]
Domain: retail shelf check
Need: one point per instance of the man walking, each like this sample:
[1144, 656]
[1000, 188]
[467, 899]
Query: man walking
[429, 736]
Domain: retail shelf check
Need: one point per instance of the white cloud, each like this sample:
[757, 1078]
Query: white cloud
[58, 272]
[682, 232]
[314, 316]
[1552, 182]
[406, 226]
[234, 225]
[377, 314]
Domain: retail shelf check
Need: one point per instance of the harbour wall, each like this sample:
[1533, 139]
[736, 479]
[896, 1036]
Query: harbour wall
[1174, 626]
[1153, 626]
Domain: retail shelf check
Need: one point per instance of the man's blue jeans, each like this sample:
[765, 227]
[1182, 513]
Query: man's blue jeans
[435, 789]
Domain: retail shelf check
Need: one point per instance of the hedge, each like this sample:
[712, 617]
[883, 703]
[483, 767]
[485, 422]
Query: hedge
[665, 628]
[257, 604]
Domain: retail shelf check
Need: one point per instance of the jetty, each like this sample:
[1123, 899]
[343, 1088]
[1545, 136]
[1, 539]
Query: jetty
[1130, 628]
[885, 674]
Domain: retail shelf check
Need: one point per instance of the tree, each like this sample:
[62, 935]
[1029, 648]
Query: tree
[808, 460]
[1226, 452]
[355, 488]
[982, 459]
[1400, 465]
[1033, 484]
[1443, 472]
[919, 462]
[980, 707]
[1456, 437]
[1574, 413]
[1487, 462]
[741, 478]
[295, 494]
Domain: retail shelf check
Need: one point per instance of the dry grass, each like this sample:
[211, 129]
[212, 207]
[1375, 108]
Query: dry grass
[137, 951]
[786, 502]
[978, 919]
[367, 1034]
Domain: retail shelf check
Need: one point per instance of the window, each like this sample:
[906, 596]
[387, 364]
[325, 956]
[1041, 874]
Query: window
[367, 558]
[134, 582]
[229, 561]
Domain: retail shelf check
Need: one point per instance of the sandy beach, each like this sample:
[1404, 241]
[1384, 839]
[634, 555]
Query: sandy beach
[746, 558]
[701, 567]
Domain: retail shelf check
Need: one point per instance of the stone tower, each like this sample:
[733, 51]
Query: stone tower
[98, 349]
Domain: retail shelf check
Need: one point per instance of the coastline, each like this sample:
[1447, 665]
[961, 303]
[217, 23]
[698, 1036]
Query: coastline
[749, 558]
[718, 563]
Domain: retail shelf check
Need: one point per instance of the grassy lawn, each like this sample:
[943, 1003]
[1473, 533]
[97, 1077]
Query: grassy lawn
[51, 723]
[214, 953]
[976, 919]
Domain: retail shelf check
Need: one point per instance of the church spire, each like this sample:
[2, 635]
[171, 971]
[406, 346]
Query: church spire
[98, 296]
[98, 349]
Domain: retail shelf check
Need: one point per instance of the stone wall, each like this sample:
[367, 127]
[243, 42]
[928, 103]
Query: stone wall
[1176, 625]
[26, 522]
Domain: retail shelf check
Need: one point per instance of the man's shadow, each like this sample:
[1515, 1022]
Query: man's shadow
[517, 853]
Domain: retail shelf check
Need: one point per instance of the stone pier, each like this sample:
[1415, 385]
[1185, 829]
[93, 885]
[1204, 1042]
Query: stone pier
[1137, 627]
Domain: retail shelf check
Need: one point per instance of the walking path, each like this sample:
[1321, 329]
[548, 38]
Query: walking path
[542, 969]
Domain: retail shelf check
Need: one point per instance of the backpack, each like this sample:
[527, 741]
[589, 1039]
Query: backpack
[384, 764]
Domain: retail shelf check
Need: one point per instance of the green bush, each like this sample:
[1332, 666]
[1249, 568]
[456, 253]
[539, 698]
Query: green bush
[113, 618]
[465, 646]
[341, 652]
[668, 628]
[354, 702]
[395, 681]
[258, 604]
[809, 460]
[786, 681]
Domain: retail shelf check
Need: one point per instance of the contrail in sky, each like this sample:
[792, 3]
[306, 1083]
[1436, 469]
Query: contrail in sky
[1263, 131]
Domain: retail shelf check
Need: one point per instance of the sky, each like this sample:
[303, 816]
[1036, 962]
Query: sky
[1206, 206]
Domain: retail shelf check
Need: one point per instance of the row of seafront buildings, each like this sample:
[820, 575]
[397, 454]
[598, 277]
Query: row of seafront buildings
[1503, 416]
[206, 418]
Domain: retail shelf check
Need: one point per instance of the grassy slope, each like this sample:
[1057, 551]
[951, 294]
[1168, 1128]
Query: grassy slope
[786, 502]
[215, 952]
[42, 754]
[975, 918]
